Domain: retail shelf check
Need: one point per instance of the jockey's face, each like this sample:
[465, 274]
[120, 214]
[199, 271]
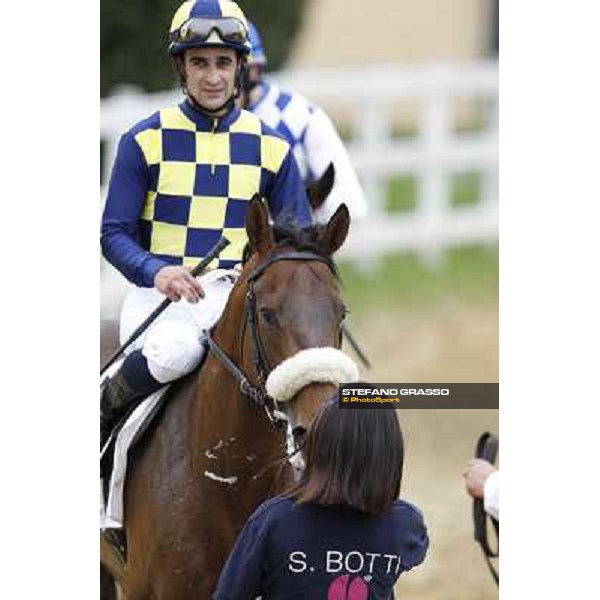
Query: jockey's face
[210, 75]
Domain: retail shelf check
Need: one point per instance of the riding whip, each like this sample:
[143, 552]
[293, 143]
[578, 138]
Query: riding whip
[212, 254]
[365, 361]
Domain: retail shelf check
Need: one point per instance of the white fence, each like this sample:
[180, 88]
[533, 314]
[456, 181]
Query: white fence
[432, 156]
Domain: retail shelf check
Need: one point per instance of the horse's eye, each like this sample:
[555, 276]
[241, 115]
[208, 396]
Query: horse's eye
[268, 316]
[345, 313]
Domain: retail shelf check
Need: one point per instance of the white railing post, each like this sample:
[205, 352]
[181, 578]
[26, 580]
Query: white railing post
[373, 129]
[490, 174]
[433, 190]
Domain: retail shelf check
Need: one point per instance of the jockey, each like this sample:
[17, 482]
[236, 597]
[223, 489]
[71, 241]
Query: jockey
[310, 132]
[182, 178]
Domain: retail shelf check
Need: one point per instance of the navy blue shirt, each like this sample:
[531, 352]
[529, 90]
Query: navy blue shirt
[293, 551]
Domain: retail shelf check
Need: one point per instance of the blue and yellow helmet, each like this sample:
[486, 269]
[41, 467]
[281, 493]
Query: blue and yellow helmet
[257, 54]
[209, 23]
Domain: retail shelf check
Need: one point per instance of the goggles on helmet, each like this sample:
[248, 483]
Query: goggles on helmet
[230, 30]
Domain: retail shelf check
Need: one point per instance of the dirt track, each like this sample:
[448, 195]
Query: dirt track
[454, 342]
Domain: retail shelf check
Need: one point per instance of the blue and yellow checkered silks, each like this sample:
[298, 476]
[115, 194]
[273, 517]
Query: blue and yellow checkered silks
[201, 182]
[208, 9]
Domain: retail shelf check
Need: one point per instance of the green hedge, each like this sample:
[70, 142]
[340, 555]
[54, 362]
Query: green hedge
[133, 38]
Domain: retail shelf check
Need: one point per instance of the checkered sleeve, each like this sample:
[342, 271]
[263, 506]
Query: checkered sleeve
[120, 222]
[287, 196]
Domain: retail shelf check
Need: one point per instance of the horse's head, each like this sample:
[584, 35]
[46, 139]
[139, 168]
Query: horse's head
[293, 312]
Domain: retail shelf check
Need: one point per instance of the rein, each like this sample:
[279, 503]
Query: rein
[257, 391]
[487, 449]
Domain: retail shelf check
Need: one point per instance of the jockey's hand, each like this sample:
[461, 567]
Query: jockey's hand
[476, 474]
[176, 282]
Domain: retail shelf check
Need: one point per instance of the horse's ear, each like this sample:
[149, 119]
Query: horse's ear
[319, 190]
[335, 232]
[257, 226]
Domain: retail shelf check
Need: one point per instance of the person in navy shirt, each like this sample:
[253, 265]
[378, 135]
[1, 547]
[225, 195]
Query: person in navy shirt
[340, 533]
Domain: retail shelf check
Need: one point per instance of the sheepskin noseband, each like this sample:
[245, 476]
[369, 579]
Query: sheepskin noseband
[313, 365]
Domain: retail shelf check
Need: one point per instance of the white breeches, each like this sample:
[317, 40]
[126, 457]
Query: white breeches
[171, 344]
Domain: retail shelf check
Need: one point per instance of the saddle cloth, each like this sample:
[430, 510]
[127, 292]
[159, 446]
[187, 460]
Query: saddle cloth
[111, 512]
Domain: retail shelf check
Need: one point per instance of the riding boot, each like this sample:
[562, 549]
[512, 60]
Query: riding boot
[133, 382]
[116, 397]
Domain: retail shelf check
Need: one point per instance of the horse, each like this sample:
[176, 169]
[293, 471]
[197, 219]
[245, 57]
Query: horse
[215, 454]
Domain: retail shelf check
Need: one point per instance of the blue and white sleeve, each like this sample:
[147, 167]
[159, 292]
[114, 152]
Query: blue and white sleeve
[322, 145]
[491, 495]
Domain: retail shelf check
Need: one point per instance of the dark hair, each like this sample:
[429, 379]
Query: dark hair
[354, 458]
[307, 239]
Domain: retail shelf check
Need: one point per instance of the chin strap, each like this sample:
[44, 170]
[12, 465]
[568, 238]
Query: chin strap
[211, 112]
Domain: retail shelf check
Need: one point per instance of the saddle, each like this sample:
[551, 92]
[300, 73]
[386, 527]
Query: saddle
[487, 449]
[142, 418]
[109, 340]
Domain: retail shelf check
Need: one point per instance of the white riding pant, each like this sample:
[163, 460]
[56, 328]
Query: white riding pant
[171, 344]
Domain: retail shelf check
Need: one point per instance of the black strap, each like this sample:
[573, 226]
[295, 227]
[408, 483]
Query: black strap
[293, 255]
[258, 393]
[355, 346]
[211, 112]
[245, 386]
[255, 393]
[259, 353]
[487, 449]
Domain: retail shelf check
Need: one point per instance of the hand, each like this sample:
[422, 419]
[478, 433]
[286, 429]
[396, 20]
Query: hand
[176, 282]
[476, 474]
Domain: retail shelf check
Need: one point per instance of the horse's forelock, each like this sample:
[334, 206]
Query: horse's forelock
[305, 239]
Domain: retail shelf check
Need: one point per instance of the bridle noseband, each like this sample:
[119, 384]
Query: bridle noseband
[257, 391]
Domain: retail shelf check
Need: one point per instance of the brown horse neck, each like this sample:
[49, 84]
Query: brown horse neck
[220, 413]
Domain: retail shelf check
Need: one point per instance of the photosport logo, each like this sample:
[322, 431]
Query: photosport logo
[418, 395]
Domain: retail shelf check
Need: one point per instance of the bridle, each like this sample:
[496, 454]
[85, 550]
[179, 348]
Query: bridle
[487, 449]
[257, 392]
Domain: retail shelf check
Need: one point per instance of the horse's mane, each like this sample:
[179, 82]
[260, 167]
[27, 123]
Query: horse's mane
[305, 239]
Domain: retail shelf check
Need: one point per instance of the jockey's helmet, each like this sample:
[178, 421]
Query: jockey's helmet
[209, 23]
[257, 54]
